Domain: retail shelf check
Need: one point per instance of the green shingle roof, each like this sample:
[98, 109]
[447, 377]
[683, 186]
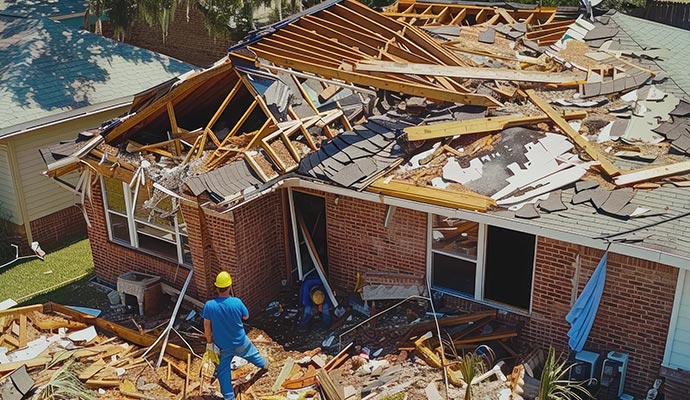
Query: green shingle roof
[48, 70]
[43, 8]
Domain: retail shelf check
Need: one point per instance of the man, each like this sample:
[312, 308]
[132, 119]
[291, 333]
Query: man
[223, 327]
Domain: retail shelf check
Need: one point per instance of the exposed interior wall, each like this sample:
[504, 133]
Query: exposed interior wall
[633, 315]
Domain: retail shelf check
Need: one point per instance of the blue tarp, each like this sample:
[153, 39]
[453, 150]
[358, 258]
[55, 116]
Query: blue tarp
[581, 316]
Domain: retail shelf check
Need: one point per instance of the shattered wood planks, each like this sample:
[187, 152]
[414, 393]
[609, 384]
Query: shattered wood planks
[483, 73]
[581, 142]
[479, 125]
[430, 195]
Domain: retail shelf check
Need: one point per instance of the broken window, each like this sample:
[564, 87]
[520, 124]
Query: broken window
[482, 262]
[454, 249]
[153, 224]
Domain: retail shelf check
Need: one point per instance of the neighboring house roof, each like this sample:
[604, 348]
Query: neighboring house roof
[49, 71]
[641, 33]
[43, 8]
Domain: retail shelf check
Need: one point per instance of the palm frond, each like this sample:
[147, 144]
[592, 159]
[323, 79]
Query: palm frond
[65, 385]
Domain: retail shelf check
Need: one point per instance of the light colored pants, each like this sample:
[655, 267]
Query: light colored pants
[247, 351]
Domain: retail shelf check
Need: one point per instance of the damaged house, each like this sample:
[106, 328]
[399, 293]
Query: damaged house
[493, 153]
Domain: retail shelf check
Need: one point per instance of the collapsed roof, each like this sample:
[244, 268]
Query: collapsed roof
[517, 112]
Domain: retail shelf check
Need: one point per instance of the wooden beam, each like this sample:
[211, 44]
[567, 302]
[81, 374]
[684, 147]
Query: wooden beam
[21, 310]
[23, 334]
[431, 195]
[118, 330]
[479, 125]
[157, 106]
[498, 74]
[413, 89]
[581, 142]
[649, 174]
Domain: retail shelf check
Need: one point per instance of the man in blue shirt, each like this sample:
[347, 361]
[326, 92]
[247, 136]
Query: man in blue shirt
[223, 327]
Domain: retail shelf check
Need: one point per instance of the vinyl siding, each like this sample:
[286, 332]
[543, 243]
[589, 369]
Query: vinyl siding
[42, 195]
[680, 347]
[8, 200]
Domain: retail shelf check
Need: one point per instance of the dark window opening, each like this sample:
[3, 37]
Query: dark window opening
[509, 266]
[312, 210]
[454, 273]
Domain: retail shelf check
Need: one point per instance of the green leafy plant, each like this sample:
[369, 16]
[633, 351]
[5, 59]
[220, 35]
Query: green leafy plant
[65, 385]
[555, 385]
[470, 366]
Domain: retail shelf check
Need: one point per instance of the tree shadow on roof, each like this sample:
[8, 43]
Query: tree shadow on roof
[45, 64]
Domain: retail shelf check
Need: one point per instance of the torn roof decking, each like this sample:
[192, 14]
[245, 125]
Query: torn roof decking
[421, 13]
[328, 42]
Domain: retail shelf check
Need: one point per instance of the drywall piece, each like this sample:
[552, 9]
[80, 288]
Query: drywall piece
[605, 133]
[641, 128]
[622, 108]
[414, 161]
[84, 335]
[630, 96]
[527, 211]
[549, 184]
[581, 103]
[635, 156]
[553, 203]
[655, 94]
[439, 183]
[7, 304]
[452, 171]
[488, 36]
[542, 162]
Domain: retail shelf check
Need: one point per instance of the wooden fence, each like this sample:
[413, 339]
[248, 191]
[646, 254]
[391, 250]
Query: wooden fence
[669, 13]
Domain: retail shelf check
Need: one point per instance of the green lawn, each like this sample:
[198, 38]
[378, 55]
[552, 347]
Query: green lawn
[25, 280]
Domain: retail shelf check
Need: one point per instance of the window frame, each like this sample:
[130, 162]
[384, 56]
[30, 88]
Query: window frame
[134, 233]
[480, 271]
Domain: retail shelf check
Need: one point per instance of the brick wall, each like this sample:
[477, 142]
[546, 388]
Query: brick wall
[358, 240]
[59, 228]
[248, 243]
[260, 244]
[112, 259]
[187, 40]
[633, 315]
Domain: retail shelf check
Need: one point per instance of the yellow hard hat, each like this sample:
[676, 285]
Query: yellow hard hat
[223, 280]
[318, 297]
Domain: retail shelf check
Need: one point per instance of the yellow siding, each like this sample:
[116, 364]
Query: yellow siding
[42, 195]
[8, 201]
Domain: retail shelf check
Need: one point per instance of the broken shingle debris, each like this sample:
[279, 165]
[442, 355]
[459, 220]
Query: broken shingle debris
[585, 185]
[553, 203]
[488, 36]
[527, 211]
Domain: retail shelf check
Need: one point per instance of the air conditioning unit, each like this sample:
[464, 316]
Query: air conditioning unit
[613, 371]
[586, 367]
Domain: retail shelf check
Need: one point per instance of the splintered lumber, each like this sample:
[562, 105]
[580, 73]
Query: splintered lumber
[102, 383]
[284, 373]
[480, 125]
[23, 338]
[581, 142]
[330, 390]
[430, 195]
[493, 74]
[91, 370]
[34, 362]
[414, 89]
[649, 174]
[127, 334]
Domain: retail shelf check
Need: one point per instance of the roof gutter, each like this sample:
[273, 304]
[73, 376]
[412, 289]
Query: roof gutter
[45, 122]
[494, 220]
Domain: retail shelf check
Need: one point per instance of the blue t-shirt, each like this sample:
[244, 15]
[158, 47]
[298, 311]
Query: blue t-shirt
[225, 314]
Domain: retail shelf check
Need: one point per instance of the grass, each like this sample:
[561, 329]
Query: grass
[22, 281]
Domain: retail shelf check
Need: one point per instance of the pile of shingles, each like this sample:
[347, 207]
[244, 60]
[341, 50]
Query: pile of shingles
[41, 343]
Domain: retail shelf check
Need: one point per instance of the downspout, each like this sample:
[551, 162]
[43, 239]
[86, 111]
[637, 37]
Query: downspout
[18, 190]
